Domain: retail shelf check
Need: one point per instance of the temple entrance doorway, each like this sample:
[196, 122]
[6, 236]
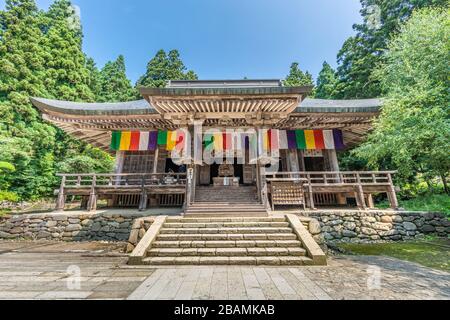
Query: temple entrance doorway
[227, 175]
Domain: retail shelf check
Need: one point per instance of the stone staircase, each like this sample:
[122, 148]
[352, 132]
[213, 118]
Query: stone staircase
[226, 201]
[224, 241]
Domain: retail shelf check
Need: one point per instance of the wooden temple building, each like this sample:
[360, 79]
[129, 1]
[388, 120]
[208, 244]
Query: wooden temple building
[303, 135]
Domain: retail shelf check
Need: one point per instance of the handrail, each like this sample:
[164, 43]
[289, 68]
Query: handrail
[117, 175]
[127, 180]
[327, 172]
[330, 178]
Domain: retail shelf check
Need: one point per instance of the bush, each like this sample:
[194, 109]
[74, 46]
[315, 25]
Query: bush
[9, 196]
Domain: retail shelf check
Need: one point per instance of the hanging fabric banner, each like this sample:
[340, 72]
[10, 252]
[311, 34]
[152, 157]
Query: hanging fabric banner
[135, 140]
[301, 139]
[143, 141]
[310, 142]
[338, 140]
[328, 139]
[153, 141]
[283, 140]
[125, 141]
[115, 140]
[162, 137]
[171, 140]
[319, 140]
[292, 140]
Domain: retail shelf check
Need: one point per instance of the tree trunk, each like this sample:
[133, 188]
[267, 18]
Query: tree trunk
[444, 181]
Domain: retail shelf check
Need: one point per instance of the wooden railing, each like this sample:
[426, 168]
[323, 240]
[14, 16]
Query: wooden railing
[132, 184]
[131, 180]
[335, 177]
[362, 183]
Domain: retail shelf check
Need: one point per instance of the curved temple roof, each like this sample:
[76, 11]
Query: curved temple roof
[238, 103]
[140, 107]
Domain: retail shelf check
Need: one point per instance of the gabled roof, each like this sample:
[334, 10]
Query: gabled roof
[141, 107]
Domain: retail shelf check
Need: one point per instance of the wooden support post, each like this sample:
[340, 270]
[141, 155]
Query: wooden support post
[370, 201]
[144, 197]
[155, 160]
[360, 193]
[392, 194]
[92, 203]
[312, 206]
[60, 203]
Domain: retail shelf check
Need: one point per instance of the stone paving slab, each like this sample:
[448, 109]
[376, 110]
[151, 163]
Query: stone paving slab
[31, 270]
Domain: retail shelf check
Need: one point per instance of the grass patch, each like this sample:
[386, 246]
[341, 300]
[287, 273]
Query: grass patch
[434, 253]
[431, 203]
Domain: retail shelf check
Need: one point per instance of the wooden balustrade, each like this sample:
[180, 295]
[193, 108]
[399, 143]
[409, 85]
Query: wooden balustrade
[360, 184]
[132, 184]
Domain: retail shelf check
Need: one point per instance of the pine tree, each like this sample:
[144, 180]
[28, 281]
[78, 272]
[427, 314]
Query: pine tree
[114, 84]
[297, 77]
[362, 53]
[326, 83]
[68, 75]
[25, 141]
[164, 67]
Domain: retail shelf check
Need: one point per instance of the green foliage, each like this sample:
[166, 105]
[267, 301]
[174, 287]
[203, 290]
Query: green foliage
[326, 83]
[426, 202]
[432, 253]
[8, 196]
[40, 55]
[92, 160]
[297, 77]
[361, 53]
[114, 86]
[414, 128]
[164, 67]
[6, 167]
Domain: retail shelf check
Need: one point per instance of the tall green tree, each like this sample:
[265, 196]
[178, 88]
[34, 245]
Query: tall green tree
[414, 128]
[25, 141]
[114, 86]
[297, 77]
[68, 74]
[326, 83]
[40, 55]
[361, 53]
[164, 67]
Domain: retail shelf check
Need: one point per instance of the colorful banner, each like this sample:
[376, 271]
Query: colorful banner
[269, 140]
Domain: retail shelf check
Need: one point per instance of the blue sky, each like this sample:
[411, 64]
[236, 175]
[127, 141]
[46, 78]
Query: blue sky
[219, 39]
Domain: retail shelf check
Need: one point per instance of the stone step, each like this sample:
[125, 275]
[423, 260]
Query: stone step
[224, 210]
[226, 252]
[239, 230]
[209, 225]
[260, 261]
[224, 219]
[226, 237]
[215, 214]
[228, 244]
[225, 204]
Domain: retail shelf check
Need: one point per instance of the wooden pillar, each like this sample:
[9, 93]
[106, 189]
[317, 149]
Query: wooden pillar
[155, 160]
[333, 162]
[392, 194]
[293, 162]
[92, 202]
[312, 205]
[360, 194]
[61, 202]
[370, 201]
[144, 197]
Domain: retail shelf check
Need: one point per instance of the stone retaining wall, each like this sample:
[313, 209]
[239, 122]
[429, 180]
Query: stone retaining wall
[372, 226]
[70, 226]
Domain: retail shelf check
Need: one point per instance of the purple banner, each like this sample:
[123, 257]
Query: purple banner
[292, 139]
[153, 141]
[338, 139]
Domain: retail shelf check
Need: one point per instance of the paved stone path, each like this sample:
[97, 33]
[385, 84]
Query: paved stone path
[46, 270]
